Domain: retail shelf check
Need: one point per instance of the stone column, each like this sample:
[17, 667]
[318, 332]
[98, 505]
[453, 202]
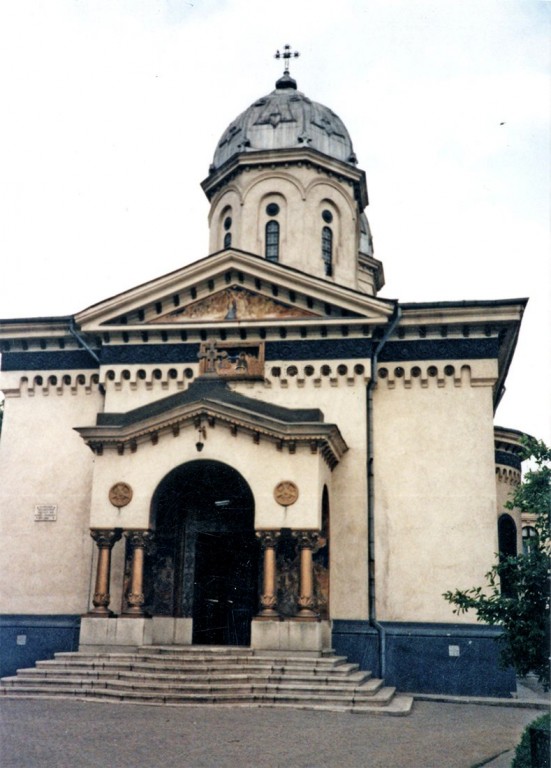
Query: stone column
[268, 598]
[105, 539]
[138, 541]
[307, 603]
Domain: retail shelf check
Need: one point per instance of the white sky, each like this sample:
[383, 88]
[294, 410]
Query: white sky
[111, 110]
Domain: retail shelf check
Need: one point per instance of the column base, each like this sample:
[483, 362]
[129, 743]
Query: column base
[270, 616]
[307, 615]
[290, 635]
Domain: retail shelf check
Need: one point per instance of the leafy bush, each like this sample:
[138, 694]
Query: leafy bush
[522, 753]
[522, 609]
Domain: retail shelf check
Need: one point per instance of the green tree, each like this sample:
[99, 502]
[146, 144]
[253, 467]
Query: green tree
[523, 608]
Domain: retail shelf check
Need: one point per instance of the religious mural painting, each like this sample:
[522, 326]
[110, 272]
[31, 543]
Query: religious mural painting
[234, 303]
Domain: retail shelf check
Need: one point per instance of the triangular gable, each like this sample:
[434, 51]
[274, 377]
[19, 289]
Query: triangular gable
[232, 286]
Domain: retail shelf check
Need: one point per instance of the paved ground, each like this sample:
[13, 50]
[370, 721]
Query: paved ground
[72, 734]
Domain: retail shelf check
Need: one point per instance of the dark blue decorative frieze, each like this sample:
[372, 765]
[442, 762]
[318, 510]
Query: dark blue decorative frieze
[440, 349]
[65, 360]
[393, 351]
[508, 459]
[319, 349]
[150, 353]
[308, 349]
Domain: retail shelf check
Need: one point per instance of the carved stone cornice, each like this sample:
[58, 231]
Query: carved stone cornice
[285, 427]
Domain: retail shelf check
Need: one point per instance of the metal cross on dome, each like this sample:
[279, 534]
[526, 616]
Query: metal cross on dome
[286, 55]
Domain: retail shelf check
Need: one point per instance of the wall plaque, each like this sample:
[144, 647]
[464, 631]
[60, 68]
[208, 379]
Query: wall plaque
[286, 493]
[45, 513]
[120, 494]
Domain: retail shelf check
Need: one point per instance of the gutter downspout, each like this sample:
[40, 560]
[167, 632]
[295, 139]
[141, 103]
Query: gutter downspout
[392, 323]
[81, 341]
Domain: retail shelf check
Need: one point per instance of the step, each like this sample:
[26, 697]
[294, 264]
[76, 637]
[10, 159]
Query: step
[370, 688]
[381, 698]
[216, 676]
[68, 674]
[207, 659]
[399, 705]
[192, 668]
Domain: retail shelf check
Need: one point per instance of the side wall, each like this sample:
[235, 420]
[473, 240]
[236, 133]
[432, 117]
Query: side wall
[435, 493]
[44, 463]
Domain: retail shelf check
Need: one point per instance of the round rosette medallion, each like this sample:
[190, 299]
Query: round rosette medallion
[286, 493]
[120, 494]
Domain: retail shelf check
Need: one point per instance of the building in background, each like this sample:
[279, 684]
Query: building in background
[258, 449]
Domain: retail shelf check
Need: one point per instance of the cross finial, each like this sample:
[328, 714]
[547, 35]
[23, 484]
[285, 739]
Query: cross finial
[286, 55]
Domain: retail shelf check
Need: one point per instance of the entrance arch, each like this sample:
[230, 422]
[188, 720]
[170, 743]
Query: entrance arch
[205, 562]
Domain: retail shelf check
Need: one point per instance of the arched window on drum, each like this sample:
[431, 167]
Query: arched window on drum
[272, 234]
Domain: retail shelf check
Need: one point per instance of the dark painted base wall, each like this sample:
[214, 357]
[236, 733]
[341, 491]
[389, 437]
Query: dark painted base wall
[420, 658]
[455, 659]
[24, 640]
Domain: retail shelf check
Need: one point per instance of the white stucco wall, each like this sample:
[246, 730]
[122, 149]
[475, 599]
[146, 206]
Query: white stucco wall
[435, 498]
[46, 566]
[435, 488]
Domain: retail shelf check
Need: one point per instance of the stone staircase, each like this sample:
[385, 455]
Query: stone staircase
[198, 675]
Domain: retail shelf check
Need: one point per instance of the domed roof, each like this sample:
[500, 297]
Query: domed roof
[285, 119]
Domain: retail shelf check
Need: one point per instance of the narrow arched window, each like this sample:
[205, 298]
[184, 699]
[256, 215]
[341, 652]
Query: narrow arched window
[529, 539]
[227, 240]
[507, 544]
[327, 250]
[272, 241]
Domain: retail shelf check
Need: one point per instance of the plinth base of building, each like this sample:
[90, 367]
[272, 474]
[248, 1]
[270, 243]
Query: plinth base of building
[290, 635]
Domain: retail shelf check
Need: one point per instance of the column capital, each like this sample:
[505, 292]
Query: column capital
[268, 539]
[306, 539]
[140, 538]
[106, 537]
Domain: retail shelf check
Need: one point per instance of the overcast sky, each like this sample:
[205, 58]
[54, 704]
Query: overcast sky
[111, 111]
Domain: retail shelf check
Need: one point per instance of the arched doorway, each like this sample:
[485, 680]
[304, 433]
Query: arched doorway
[322, 558]
[205, 561]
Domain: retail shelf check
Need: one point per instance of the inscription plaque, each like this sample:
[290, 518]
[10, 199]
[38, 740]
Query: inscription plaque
[45, 513]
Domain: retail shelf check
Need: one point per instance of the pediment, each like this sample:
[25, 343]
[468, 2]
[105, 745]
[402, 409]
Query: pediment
[232, 287]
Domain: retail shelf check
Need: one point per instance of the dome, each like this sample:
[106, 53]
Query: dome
[285, 119]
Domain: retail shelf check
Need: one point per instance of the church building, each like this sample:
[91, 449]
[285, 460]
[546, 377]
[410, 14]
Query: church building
[258, 449]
